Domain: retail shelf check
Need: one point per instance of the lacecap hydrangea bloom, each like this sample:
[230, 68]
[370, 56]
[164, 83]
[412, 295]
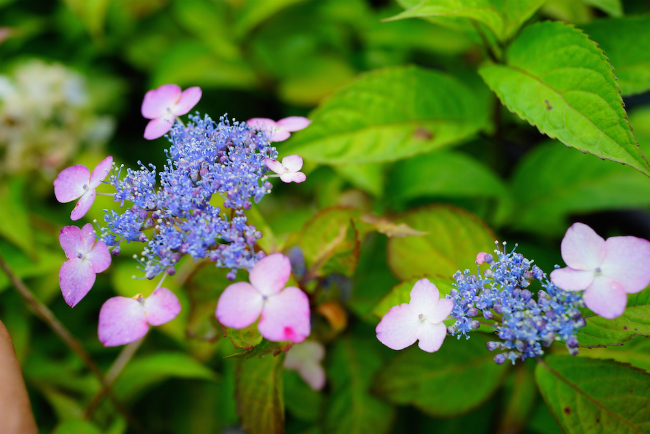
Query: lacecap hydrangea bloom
[525, 324]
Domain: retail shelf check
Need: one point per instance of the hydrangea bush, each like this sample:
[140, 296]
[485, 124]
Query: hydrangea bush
[420, 252]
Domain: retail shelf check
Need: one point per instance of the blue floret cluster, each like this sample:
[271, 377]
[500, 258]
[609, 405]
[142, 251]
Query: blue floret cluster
[525, 324]
[197, 204]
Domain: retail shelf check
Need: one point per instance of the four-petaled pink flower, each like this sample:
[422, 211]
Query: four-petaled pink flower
[305, 358]
[420, 319]
[280, 130]
[76, 182]
[162, 105]
[123, 320]
[607, 270]
[289, 169]
[86, 257]
[284, 312]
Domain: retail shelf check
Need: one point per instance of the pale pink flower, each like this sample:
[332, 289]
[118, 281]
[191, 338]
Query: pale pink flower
[607, 270]
[164, 104]
[123, 320]
[305, 358]
[77, 182]
[419, 320]
[289, 169]
[86, 257]
[284, 312]
[280, 130]
[480, 258]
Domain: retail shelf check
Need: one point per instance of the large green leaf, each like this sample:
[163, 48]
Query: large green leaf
[454, 238]
[146, 371]
[259, 395]
[553, 182]
[503, 17]
[351, 408]
[560, 81]
[431, 381]
[388, 115]
[625, 42]
[595, 396]
[601, 332]
[636, 352]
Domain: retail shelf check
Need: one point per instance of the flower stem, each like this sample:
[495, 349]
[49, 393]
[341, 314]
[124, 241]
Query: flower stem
[45, 314]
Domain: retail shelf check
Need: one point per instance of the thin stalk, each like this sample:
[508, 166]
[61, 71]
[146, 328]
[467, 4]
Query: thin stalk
[46, 315]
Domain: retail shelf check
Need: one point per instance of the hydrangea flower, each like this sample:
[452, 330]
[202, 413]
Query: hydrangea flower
[305, 358]
[164, 104]
[289, 169]
[86, 257]
[526, 324]
[420, 319]
[123, 320]
[607, 270]
[77, 182]
[280, 130]
[283, 313]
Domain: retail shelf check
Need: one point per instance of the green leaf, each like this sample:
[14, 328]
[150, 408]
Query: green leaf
[302, 401]
[602, 332]
[624, 41]
[640, 121]
[15, 225]
[431, 382]
[502, 17]
[636, 352]
[553, 182]
[560, 81]
[611, 7]
[259, 395]
[388, 115]
[401, 293]
[245, 338]
[92, 14]
[24, 267]
[351, 408]
[368, 177]
[255, 12]
[595, 396]
[521, 396]
[144, 372]
[76, 426]
[454, 238]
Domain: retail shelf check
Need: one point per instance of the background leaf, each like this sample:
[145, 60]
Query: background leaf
[611, 7]
[431, 382]
[595, 396]
[561, 82]
[454, 238]
[390, 114]
[636, 352]
[624, 41]
[259, 395]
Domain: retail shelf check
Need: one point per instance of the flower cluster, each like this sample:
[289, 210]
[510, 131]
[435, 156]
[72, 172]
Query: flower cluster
[502, 293]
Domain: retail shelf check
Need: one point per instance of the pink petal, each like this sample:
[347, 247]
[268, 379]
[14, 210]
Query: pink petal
[582, 248]
[431, 336]
[101, 171]
[83, 205]
[87, 239]
[262, 124]
[572, 280]
[278, 135]
[158, 127]
[270, 274]
[274, 165]
[121, 321]
[76, 278]
[99, 257]
[188, 99]
[480, 258]
[294, 123]
[70, 240]
[424, 297]
[303, 353]
[606, 297]
[285, 316]
[239, 305]
[441, 310]
[313, 374]
[161, 307]
[628, 262]
[157, 101]
[398, 329]
[296, 177]
[69, 185]
[292, 163]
